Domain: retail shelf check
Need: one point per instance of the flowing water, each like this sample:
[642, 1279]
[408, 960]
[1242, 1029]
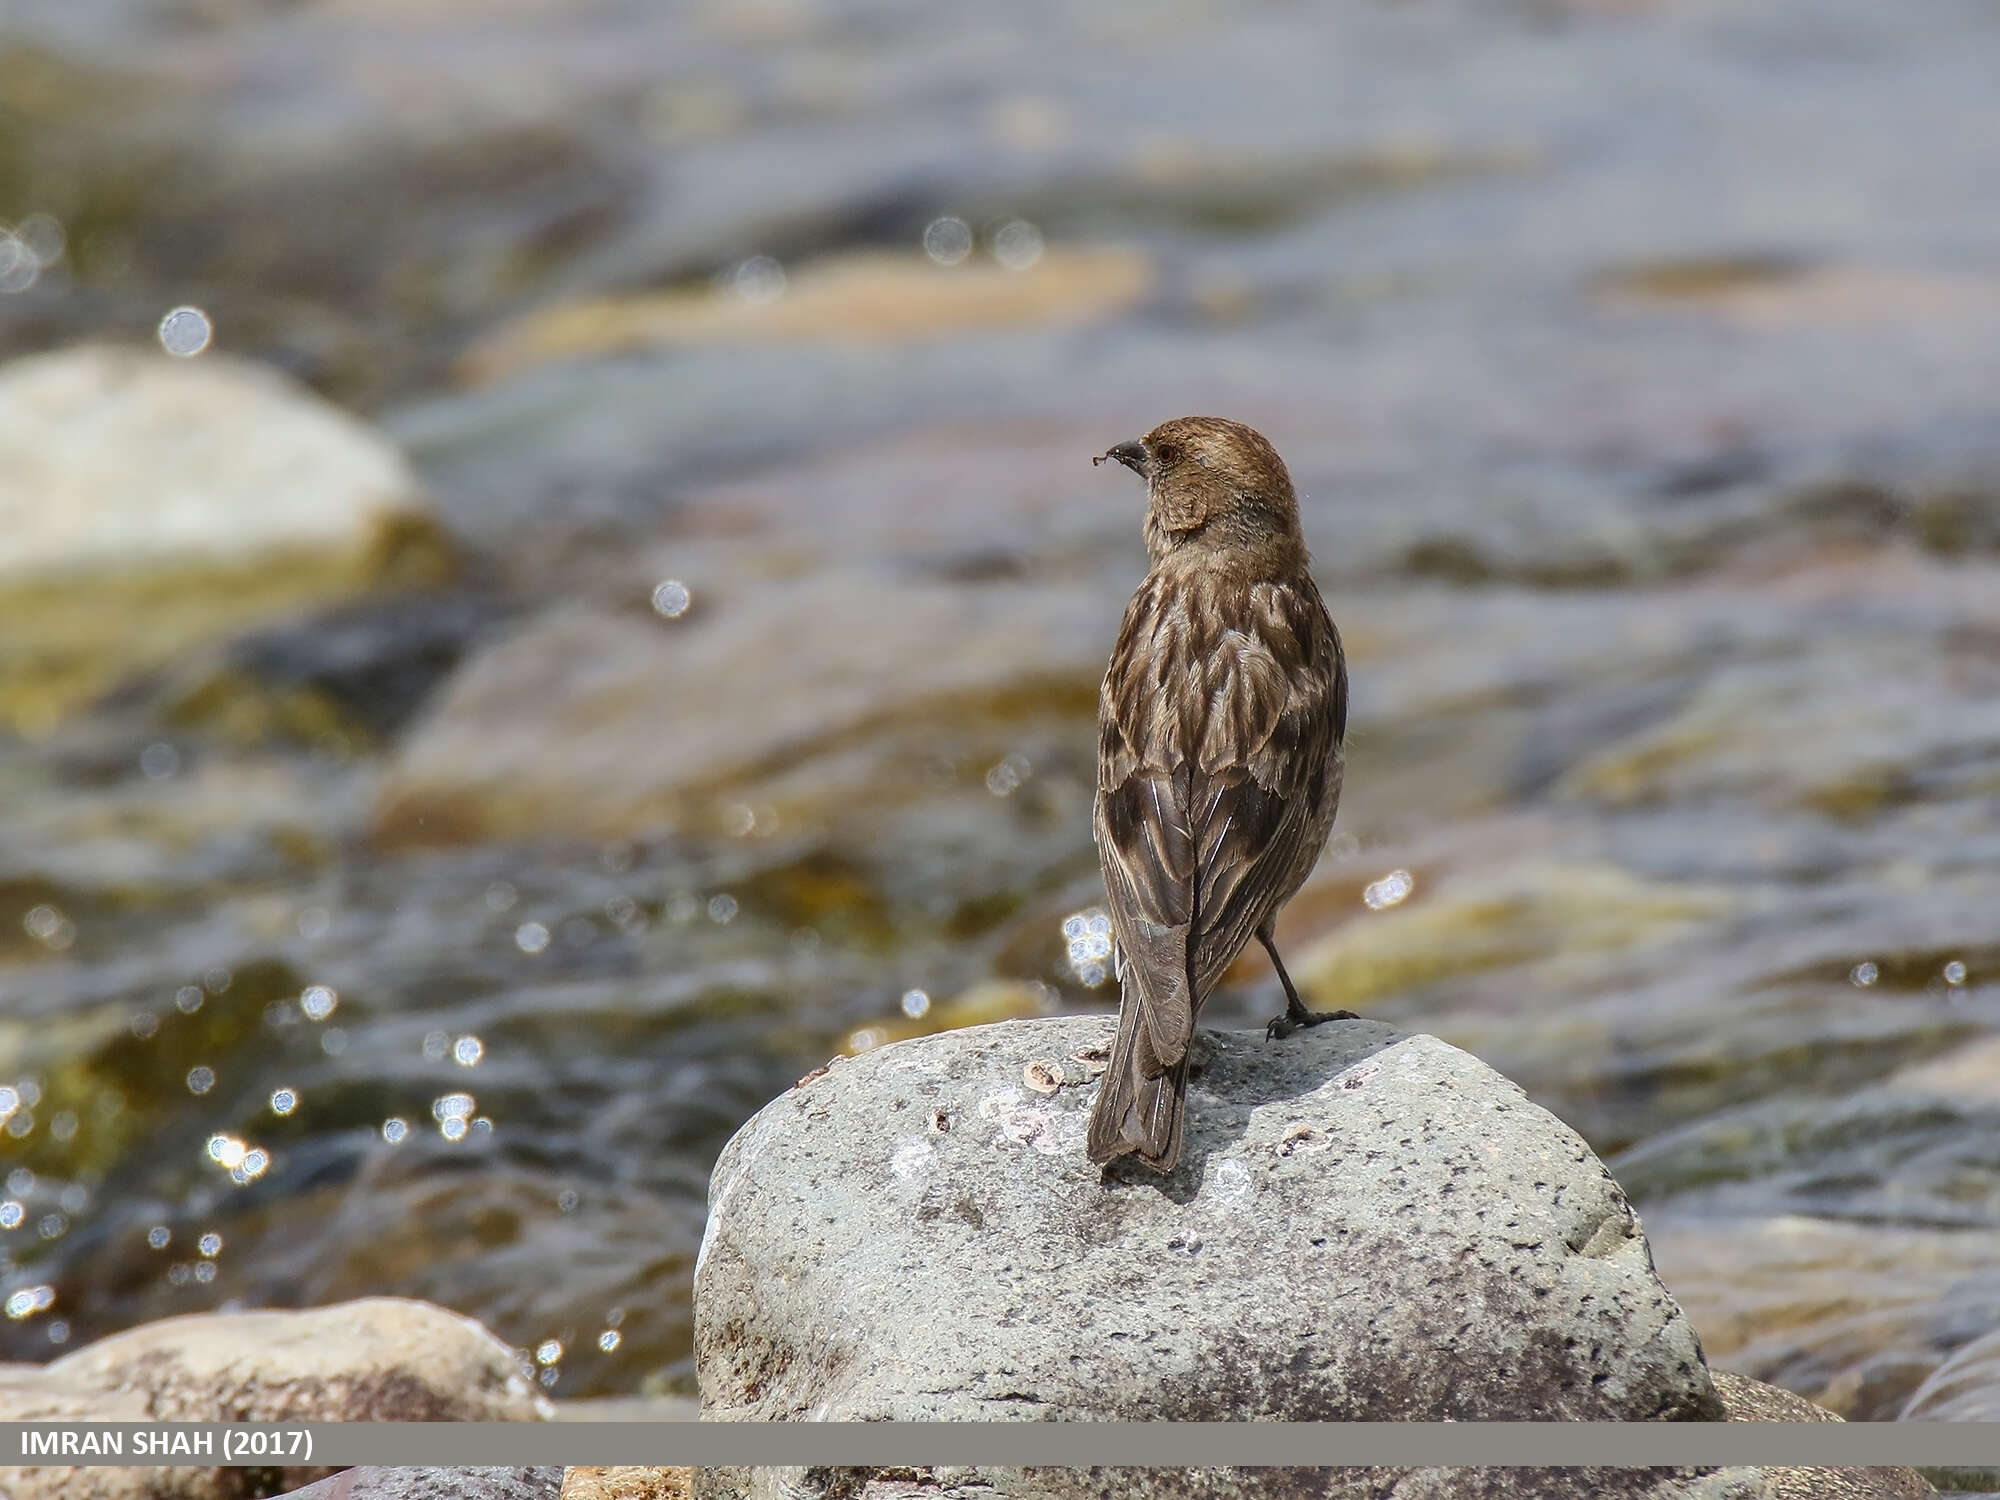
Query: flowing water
[1637, 363]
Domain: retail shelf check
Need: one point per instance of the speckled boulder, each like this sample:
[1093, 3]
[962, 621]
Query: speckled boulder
[1365, 1225]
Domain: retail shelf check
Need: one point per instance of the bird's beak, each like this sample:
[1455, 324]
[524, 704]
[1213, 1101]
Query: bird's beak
[1133, 455]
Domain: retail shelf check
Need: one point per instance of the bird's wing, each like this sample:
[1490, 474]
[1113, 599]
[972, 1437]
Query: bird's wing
[1216, 742]
[1267, 767]
[1144, 841]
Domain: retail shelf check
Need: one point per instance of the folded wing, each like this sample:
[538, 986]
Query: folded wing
[1220, 727]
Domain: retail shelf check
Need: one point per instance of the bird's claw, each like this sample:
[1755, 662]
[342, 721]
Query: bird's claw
[1283, 1026]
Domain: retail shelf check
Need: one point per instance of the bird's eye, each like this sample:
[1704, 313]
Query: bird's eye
[1167, 453]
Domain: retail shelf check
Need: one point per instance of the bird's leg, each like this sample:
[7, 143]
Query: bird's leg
[1296, 1015]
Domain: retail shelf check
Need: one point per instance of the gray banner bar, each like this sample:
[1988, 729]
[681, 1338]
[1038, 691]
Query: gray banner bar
[1065, 1444]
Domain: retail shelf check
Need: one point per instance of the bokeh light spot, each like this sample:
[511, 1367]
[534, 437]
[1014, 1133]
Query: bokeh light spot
[948, 240]
[1018, 245]
[671, 599]
[1391, 890]
[186, 332]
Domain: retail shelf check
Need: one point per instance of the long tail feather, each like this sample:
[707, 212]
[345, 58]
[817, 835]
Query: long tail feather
[1134, 1114]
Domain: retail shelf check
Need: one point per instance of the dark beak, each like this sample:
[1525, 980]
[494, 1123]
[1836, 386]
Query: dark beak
[1133, 455]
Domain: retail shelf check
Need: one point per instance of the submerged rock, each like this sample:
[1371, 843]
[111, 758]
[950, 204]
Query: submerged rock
[150, 504]
[787, 639]
[1366, 1226]
[346, 677]
[1492, 920]
[878, 297]
[635, 722]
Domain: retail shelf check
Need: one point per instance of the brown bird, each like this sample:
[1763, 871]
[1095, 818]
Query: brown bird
[1219, 758]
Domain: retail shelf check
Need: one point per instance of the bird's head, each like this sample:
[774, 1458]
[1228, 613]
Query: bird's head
[1212, 483]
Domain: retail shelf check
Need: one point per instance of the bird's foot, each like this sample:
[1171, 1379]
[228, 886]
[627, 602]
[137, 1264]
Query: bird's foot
[1283, 1026]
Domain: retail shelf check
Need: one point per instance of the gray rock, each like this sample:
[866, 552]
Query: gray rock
[383, 1359]
[375, 1482]
[1366, 1226]
[116, 459]
[1744, 1400]
[149, 505]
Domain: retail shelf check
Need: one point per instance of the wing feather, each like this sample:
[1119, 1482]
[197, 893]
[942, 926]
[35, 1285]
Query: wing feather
[1214, 798]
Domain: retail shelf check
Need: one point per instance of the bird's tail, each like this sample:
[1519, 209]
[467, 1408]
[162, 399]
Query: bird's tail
[1135, 1114]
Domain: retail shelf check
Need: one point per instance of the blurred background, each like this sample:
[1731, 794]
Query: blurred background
[551, 579]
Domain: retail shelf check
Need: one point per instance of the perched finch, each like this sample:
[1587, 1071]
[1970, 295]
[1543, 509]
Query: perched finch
[1218, 765]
